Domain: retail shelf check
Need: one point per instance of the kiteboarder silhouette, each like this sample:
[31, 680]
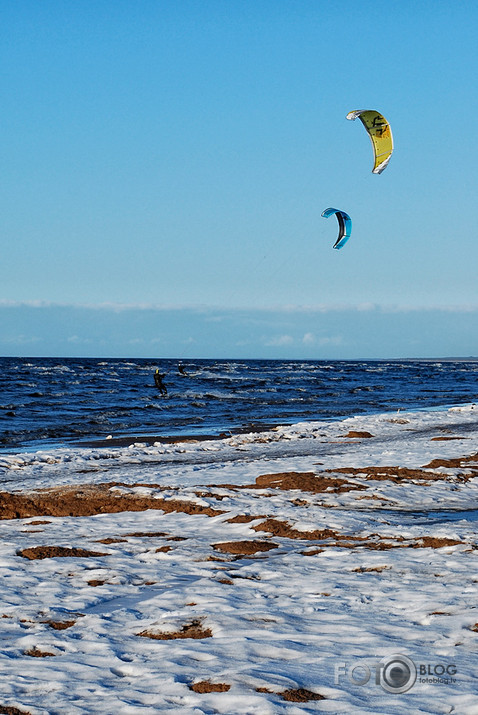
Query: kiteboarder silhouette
[158, 381]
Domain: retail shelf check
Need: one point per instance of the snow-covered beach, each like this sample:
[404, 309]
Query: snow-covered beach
[283, 571]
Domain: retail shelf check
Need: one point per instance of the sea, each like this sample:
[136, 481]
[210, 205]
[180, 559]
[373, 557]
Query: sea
[58, 402]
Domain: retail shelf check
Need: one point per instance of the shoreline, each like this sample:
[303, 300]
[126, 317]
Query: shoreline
[151, 440]
[129, 440]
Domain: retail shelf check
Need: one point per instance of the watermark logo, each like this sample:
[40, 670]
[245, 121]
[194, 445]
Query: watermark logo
[395, 673]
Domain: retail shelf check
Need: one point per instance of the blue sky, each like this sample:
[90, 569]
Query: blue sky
[165, 165]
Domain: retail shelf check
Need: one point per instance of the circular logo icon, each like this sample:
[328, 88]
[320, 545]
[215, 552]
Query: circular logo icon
[397, 673]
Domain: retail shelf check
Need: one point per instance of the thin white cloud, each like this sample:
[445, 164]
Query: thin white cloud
[21, 339]
[279, 340]
[77, 340]
[308, 339]
[336, 340]
[217, 313]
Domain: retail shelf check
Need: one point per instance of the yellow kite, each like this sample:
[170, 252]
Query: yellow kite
[380, 135]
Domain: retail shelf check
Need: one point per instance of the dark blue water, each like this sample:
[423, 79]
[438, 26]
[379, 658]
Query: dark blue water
[48, 401]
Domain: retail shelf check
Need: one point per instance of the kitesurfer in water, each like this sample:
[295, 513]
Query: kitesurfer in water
[181, 370]
[158, 381]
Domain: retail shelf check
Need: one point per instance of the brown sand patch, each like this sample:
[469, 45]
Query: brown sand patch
[305, 481]
[284, 530]
[205, 686]
[375, 497]
[398, 475]
[60, 625]
[37, 522]
[331, 538]
[87, 500]
[37, 653]
[474, 628]
[163, 549]
[353, 434]
[440, 613]
[210, 495]
[299, 502]
[147, 534]
[190, 630]
[110, 540]
[300, 695]
[370, 569]
[177, 538]
[445, 439]
[244, 548]
[50, 552]
[434, 543]
[216, 558]
[32, 531]
[245, 518]
[10, 710]
[96, 582]
[397, 543]
[469, 462]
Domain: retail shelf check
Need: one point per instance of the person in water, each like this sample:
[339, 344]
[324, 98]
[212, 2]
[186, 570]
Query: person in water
[158, 381]
[181, 370]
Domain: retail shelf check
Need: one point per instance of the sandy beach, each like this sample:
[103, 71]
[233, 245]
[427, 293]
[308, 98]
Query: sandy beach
[283, 571]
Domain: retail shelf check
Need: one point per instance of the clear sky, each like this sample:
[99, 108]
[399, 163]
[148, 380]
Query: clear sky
[164, 166]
